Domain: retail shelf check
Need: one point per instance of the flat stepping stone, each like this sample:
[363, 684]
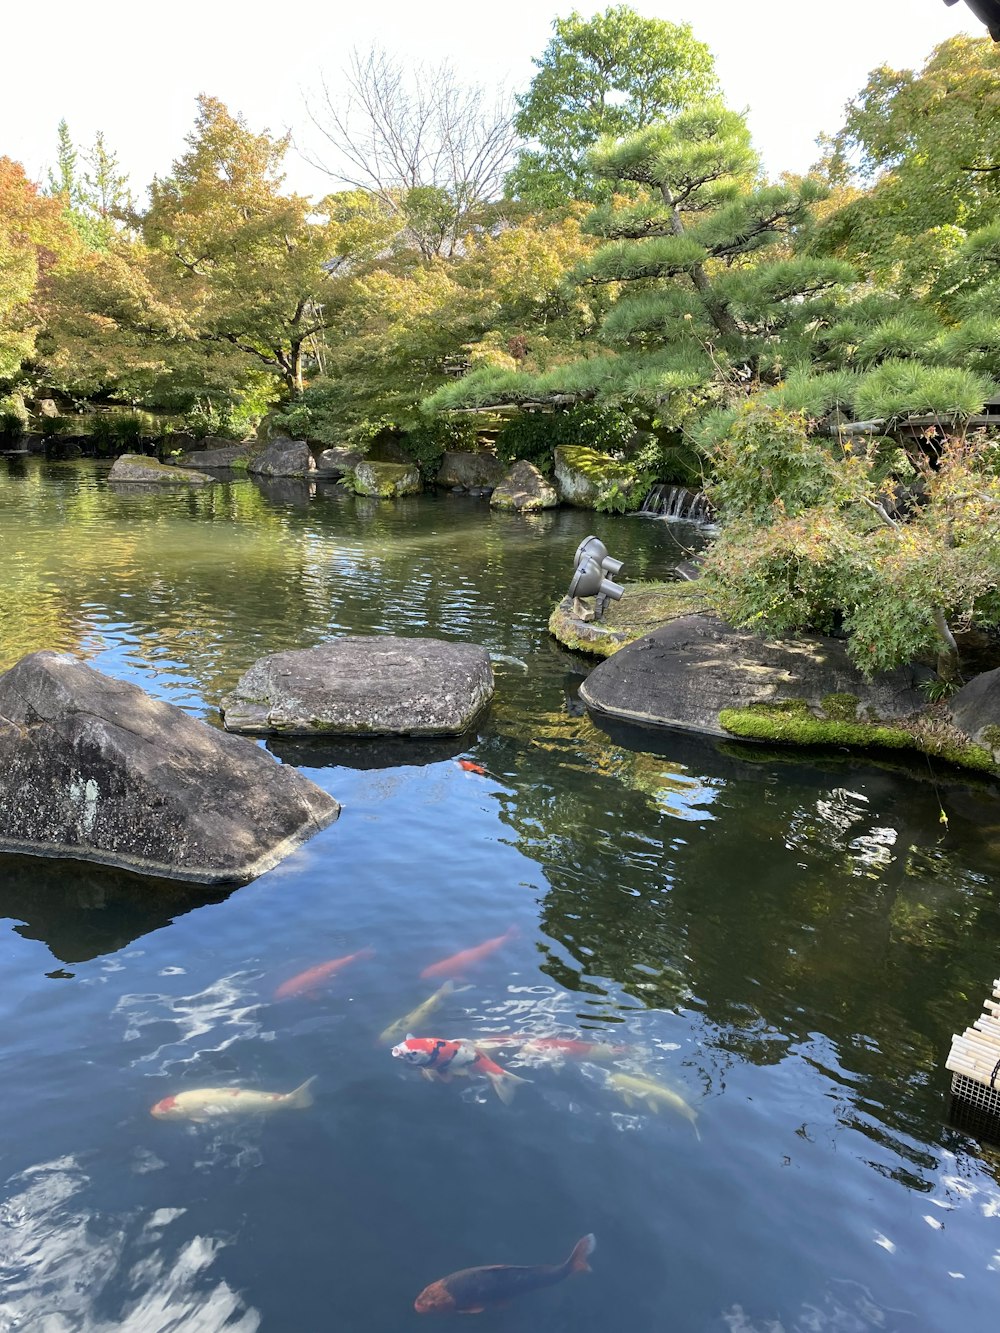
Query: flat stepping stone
[375, 685]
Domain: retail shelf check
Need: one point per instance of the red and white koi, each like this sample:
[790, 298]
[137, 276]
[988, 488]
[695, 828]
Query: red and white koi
[438, 1058]
[216, 1103]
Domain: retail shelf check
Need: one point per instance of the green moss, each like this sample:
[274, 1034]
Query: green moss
[841, 707]
[991, 735]
[239, 465]
[384, 480]
[769, 722]
[644, 607]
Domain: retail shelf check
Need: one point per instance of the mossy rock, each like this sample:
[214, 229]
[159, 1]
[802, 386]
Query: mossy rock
[385, 480]
[783, 725]
[583, 475]
[643, 607]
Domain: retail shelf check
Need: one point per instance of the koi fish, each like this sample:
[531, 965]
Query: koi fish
[416, 1018]
[313, 977]
[470, 767]
[459, 963]
[437, 1058]
[211, 1103]
[471, 1290]
[556, 1048]
[656, 1095]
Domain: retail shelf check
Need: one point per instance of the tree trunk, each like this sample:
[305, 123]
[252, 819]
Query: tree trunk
[717, 310]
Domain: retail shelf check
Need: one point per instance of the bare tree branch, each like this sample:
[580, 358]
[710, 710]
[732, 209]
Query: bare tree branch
[393, 134]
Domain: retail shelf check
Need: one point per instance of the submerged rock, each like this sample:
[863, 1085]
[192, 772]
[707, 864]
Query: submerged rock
[95, 769]
[218, 456]
[282, 458]
[356, 685]
[470, 472]
[686, 673]
[147, 471]
[524, 489]
[386, 480]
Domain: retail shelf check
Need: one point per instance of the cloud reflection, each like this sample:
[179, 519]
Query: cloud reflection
[223, 1013]
[66, 1269]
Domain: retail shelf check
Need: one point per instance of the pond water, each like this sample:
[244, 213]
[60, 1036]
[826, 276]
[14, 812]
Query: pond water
[786, 944]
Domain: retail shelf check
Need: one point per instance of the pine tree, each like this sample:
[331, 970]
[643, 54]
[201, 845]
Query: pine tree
[710, 299]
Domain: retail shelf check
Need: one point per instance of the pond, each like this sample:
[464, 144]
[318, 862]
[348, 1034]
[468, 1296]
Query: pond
[784, 944]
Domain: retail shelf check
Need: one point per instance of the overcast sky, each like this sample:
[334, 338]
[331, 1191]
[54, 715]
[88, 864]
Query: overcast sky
[133, 69]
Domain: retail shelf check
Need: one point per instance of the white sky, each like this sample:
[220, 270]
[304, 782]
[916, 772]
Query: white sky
[133, 69]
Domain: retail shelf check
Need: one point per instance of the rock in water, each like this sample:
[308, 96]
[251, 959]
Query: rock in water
[96, 769]
[472, 472]
[524, 489]
[386, 480]
[356, 685]
[283, 458]
[685, 673]
[146, 471]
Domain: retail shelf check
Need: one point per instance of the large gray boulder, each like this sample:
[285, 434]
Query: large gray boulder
[283, 458]
[473, 472]
[355, 685]
[685, 673]
[524, 489]
[975, 709]
[136, 468]
[95, 769]
[336, 463]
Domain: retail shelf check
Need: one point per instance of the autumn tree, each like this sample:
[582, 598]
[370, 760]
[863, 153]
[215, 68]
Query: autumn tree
[34, 239]
[247, 261]
[609, 75]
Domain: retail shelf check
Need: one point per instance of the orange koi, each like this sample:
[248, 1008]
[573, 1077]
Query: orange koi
[438, 1058]
[470, 767]
[313, 977]
[472, 1290]
[459, 963]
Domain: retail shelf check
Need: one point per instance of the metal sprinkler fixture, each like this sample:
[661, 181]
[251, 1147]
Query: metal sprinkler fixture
[590, 579]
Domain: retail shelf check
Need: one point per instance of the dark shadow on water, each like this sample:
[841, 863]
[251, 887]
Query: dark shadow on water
[82, 911]
[286, 491]
[367, 752]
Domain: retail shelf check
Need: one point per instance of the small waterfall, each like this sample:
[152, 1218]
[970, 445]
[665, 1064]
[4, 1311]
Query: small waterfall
[677, 503]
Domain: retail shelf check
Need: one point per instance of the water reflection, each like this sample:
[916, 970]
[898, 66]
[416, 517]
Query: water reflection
[66, 1266]
[81, 911]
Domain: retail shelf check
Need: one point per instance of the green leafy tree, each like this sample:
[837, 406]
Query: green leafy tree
[609, 75]
[927, 144]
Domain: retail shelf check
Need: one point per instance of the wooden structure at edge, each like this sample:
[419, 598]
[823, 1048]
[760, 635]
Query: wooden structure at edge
[974, 1063]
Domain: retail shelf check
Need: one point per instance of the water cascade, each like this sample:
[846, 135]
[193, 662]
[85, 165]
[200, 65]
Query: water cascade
[677, 502]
